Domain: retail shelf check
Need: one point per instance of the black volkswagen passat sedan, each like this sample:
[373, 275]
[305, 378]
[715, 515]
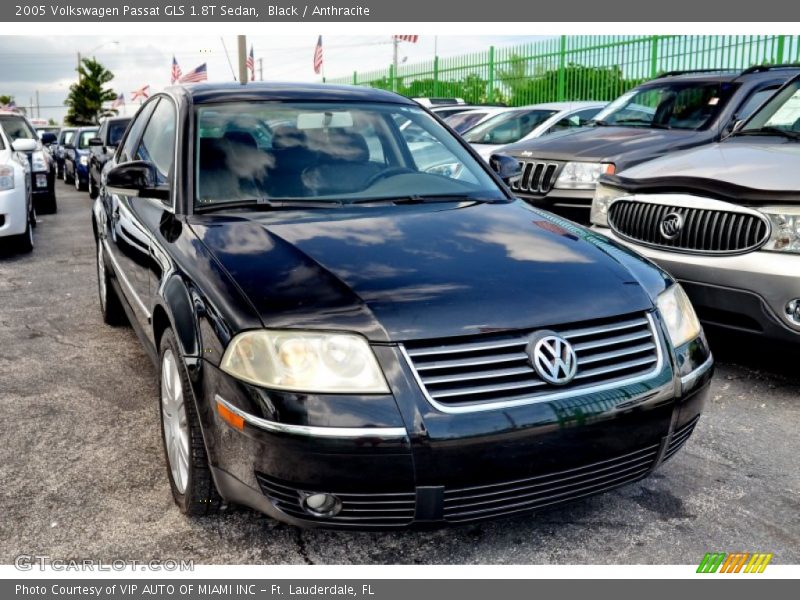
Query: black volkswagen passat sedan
[345, 338]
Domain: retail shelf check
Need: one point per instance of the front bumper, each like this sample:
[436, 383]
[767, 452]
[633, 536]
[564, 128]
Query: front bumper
[572, 204]
[42, 183]
[13, 212]
[746, 293]
[396, 461]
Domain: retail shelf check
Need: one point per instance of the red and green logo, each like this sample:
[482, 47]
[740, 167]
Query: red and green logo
[736, 562]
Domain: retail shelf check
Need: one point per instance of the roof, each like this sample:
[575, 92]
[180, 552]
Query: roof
[721, 75]
[565, 105]
[202, 93]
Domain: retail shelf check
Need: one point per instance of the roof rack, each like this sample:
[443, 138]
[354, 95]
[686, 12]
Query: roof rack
[690, 71]
[763, 68]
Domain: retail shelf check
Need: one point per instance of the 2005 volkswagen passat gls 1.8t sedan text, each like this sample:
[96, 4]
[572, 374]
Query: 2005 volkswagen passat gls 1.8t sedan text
[346, 339]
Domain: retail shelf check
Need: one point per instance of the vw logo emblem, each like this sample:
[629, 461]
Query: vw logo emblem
[671, 225]
[552, 357]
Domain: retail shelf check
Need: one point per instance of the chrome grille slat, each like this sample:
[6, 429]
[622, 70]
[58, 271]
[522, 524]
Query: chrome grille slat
[718, 230]
[480, 372]
[537, 177]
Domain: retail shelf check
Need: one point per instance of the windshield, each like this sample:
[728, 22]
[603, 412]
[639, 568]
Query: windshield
[335, 152]
[782, 112]
[18, 128]
[508, 127]
[677, 105]
[86, 135]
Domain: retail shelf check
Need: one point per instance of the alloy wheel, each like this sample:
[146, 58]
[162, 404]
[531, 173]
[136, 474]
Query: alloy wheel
[175, 422]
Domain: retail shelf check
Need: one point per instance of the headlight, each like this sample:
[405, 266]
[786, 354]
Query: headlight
[604, 195]
[452, 170]
[6, 178]
[84, 160]
[678, 315]
[785, 236]
[325, 363]
[582, 175]
[39, 161]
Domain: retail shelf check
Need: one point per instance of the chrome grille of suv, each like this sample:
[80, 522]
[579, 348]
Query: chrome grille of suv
[495, 369]
[537, 177]
[706, 231]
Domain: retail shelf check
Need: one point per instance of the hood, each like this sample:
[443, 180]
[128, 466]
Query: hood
[623, 146]
[486, 150]
[766, 163]
[418, 272]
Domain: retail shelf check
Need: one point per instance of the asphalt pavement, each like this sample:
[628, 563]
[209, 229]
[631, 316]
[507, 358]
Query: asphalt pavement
[82, 473]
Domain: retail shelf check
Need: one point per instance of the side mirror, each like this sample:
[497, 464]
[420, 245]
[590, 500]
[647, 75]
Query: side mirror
[25, 145]
[95, 141]
[69, 146]
[506, 167]
[138, 178]
[49, 138]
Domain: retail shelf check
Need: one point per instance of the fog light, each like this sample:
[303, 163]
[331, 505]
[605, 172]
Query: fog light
[793, 310]
[322, 505]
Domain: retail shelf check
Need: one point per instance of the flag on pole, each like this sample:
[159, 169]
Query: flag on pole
[251, 64]
[176, 71]
[406, 38]
[141, 93]
[118, 101]
[318, 56]
[197, 74]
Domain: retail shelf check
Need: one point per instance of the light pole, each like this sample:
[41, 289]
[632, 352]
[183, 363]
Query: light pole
[114, 42]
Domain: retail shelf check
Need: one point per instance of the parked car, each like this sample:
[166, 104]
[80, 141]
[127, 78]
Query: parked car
[17, 127]
[17, 212]
[64, 138]
[446, 111]
[724, 219]
[528, 123]
[345, 340]
[102, 147]
[76, 157]
[43, 130]
[434, 103]
[465, 120]
[676, 111]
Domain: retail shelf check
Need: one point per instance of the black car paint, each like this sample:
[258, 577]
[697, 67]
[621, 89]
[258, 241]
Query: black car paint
[390, 274]
[626, 147]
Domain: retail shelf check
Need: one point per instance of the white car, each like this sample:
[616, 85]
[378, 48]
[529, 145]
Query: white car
[17, 214]
[466, 120]
[528, 122]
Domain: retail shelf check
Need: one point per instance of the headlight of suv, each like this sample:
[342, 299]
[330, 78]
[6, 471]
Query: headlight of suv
[6, 178]
[678, 315]
[785, 236]
[324, 363]
[582, 175]
[604, 195]
[84, 160]
[39, 161]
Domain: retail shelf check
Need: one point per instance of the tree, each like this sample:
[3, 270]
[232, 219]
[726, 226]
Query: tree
[86, 97]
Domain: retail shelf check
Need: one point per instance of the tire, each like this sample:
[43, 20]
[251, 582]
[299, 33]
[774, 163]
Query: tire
[49, 204]
[190, 479]
[110, 304]
[24, 242]
[67, 178]
[32, 216]
[93, 192]
[78, 184]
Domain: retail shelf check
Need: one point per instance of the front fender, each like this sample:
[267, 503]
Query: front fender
[180, 310]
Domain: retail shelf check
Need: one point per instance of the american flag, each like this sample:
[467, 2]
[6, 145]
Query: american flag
[118, 101]
[318, 56]
[251, 65]
[406, 38]
[176, 71]
[12, 106]
[141, 93]
[197, 74]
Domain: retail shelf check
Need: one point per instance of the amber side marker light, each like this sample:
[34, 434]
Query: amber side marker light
[230, 417]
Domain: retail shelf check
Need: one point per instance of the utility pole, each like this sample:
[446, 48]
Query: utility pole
[395, 44]
[38, 107]
[242, 58]
[261, 69]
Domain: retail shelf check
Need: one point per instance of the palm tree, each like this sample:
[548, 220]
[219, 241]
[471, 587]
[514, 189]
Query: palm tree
[86, 97]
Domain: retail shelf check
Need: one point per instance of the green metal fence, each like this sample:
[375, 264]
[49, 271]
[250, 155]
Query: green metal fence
[575, 67]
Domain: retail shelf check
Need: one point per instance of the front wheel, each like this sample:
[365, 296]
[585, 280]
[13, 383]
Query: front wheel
[190, 479]
[67, 177]
[93, 192]
[24, 241]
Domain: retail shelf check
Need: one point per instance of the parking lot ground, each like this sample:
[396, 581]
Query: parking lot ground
[83, 476]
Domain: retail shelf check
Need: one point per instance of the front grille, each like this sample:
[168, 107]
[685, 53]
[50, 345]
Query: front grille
[537, 177]
[679, 437]
[362, 510]
[707, 231]
[492, 369]
[509, 497]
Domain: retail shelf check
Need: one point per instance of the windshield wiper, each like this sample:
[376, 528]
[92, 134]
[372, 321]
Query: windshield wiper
[264, 204]
[792, 135]
[425, 199]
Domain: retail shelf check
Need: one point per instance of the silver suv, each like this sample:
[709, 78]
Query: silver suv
[723, 219]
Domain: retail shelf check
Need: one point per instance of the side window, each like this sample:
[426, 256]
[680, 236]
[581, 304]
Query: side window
[128, 146]
[158, 141]
[754, 101]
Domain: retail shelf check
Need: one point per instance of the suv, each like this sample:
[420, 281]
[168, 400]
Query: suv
[675, 111]
[723, 219]
[102, 147]
[43, 168]
[17, 213]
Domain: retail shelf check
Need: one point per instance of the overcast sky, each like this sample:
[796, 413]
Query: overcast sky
[47, 64]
